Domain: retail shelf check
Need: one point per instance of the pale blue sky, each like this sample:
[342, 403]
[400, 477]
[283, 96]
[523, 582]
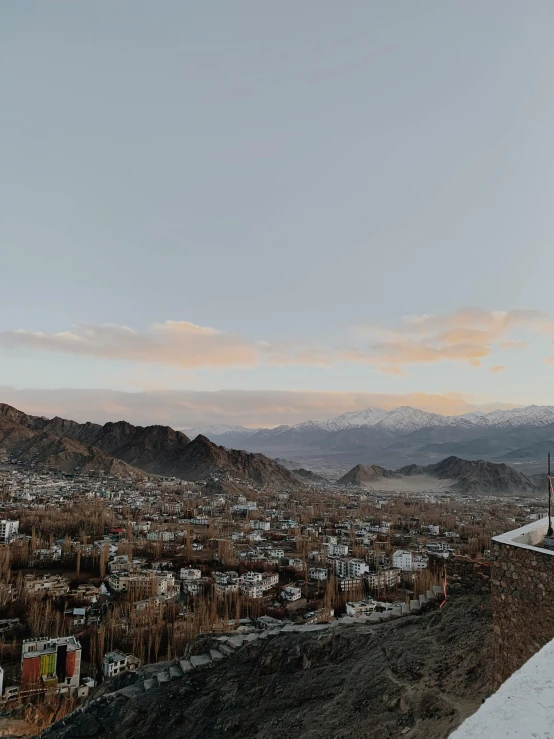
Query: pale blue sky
[281, 172]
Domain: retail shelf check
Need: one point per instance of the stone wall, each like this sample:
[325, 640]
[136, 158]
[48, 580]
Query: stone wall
[467, 576]
[522, 587]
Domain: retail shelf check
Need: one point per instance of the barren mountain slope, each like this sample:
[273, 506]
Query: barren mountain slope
[423, 673]
[120, 447]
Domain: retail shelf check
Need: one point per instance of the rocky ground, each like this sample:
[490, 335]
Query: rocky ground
[418, 677]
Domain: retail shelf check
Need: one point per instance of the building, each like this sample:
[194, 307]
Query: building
[269, 580]
[337, 550]
[383, 579]
[252, 590]
[317, 573]
[114, 663]
[402, 559]
[350, 583]
[54, 662]
[188, 573]
[260, 525]
[8, 530]
[291, 593]
[360, 607]
[53, 585]
[351, 567]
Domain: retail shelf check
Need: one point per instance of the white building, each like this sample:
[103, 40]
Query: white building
[317, 573]
[337, 550]
[271, 580]
[251, 578]
[351, 567]
[419, 562]
[360, 607]
[114, 663]
[402, 559]
[8, 530]
[260, 525]
[291, 593]
[187, 573]
[252, 591]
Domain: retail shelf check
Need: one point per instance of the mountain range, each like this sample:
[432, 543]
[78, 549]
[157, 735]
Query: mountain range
[137, 451]
[134, 451]
[410, 434]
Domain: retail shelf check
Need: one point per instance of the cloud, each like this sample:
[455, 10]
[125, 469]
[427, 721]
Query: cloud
[177, 343]
[497, 368]
[467, 335]
[187, 408]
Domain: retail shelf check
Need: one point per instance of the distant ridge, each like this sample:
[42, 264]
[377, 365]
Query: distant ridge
[470, 476]
[389, 437]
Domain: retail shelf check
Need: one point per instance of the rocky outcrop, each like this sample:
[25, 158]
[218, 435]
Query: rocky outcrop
[360, 475]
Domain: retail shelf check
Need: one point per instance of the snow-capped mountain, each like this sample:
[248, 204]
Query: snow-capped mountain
[367, 417]
[402, 420]
[531, 415]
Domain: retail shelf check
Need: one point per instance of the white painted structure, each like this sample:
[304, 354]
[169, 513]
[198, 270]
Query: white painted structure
[188, 573]
[337, 550]
[522, 707]
[8, 530]
[291, 593]
[360, 607]
[260, 525]
[351, 567]
[317, 573]
[114, 663]
[402, 559]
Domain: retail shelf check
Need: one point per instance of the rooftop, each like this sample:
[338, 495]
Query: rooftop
[530, 537]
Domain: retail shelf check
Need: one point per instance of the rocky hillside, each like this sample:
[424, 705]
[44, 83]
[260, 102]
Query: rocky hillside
[360, 475]
[60, 453]
[419, 676]
[480, 476]
[121, 448]
[469, 476]
[311, 477]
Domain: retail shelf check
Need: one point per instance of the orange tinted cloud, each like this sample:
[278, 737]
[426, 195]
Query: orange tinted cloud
[467, 335]
[174, 342]
[497, 368]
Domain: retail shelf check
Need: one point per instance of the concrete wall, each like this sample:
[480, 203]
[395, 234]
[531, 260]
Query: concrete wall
[522, 588]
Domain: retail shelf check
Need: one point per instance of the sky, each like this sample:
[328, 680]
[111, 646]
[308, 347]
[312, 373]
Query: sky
[260, 212]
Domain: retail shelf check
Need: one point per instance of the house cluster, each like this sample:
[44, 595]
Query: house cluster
[180, 548]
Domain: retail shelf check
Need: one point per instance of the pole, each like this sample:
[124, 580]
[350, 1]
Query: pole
[550, 531]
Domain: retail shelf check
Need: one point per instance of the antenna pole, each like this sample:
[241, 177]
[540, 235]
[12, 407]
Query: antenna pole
[550, 531]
